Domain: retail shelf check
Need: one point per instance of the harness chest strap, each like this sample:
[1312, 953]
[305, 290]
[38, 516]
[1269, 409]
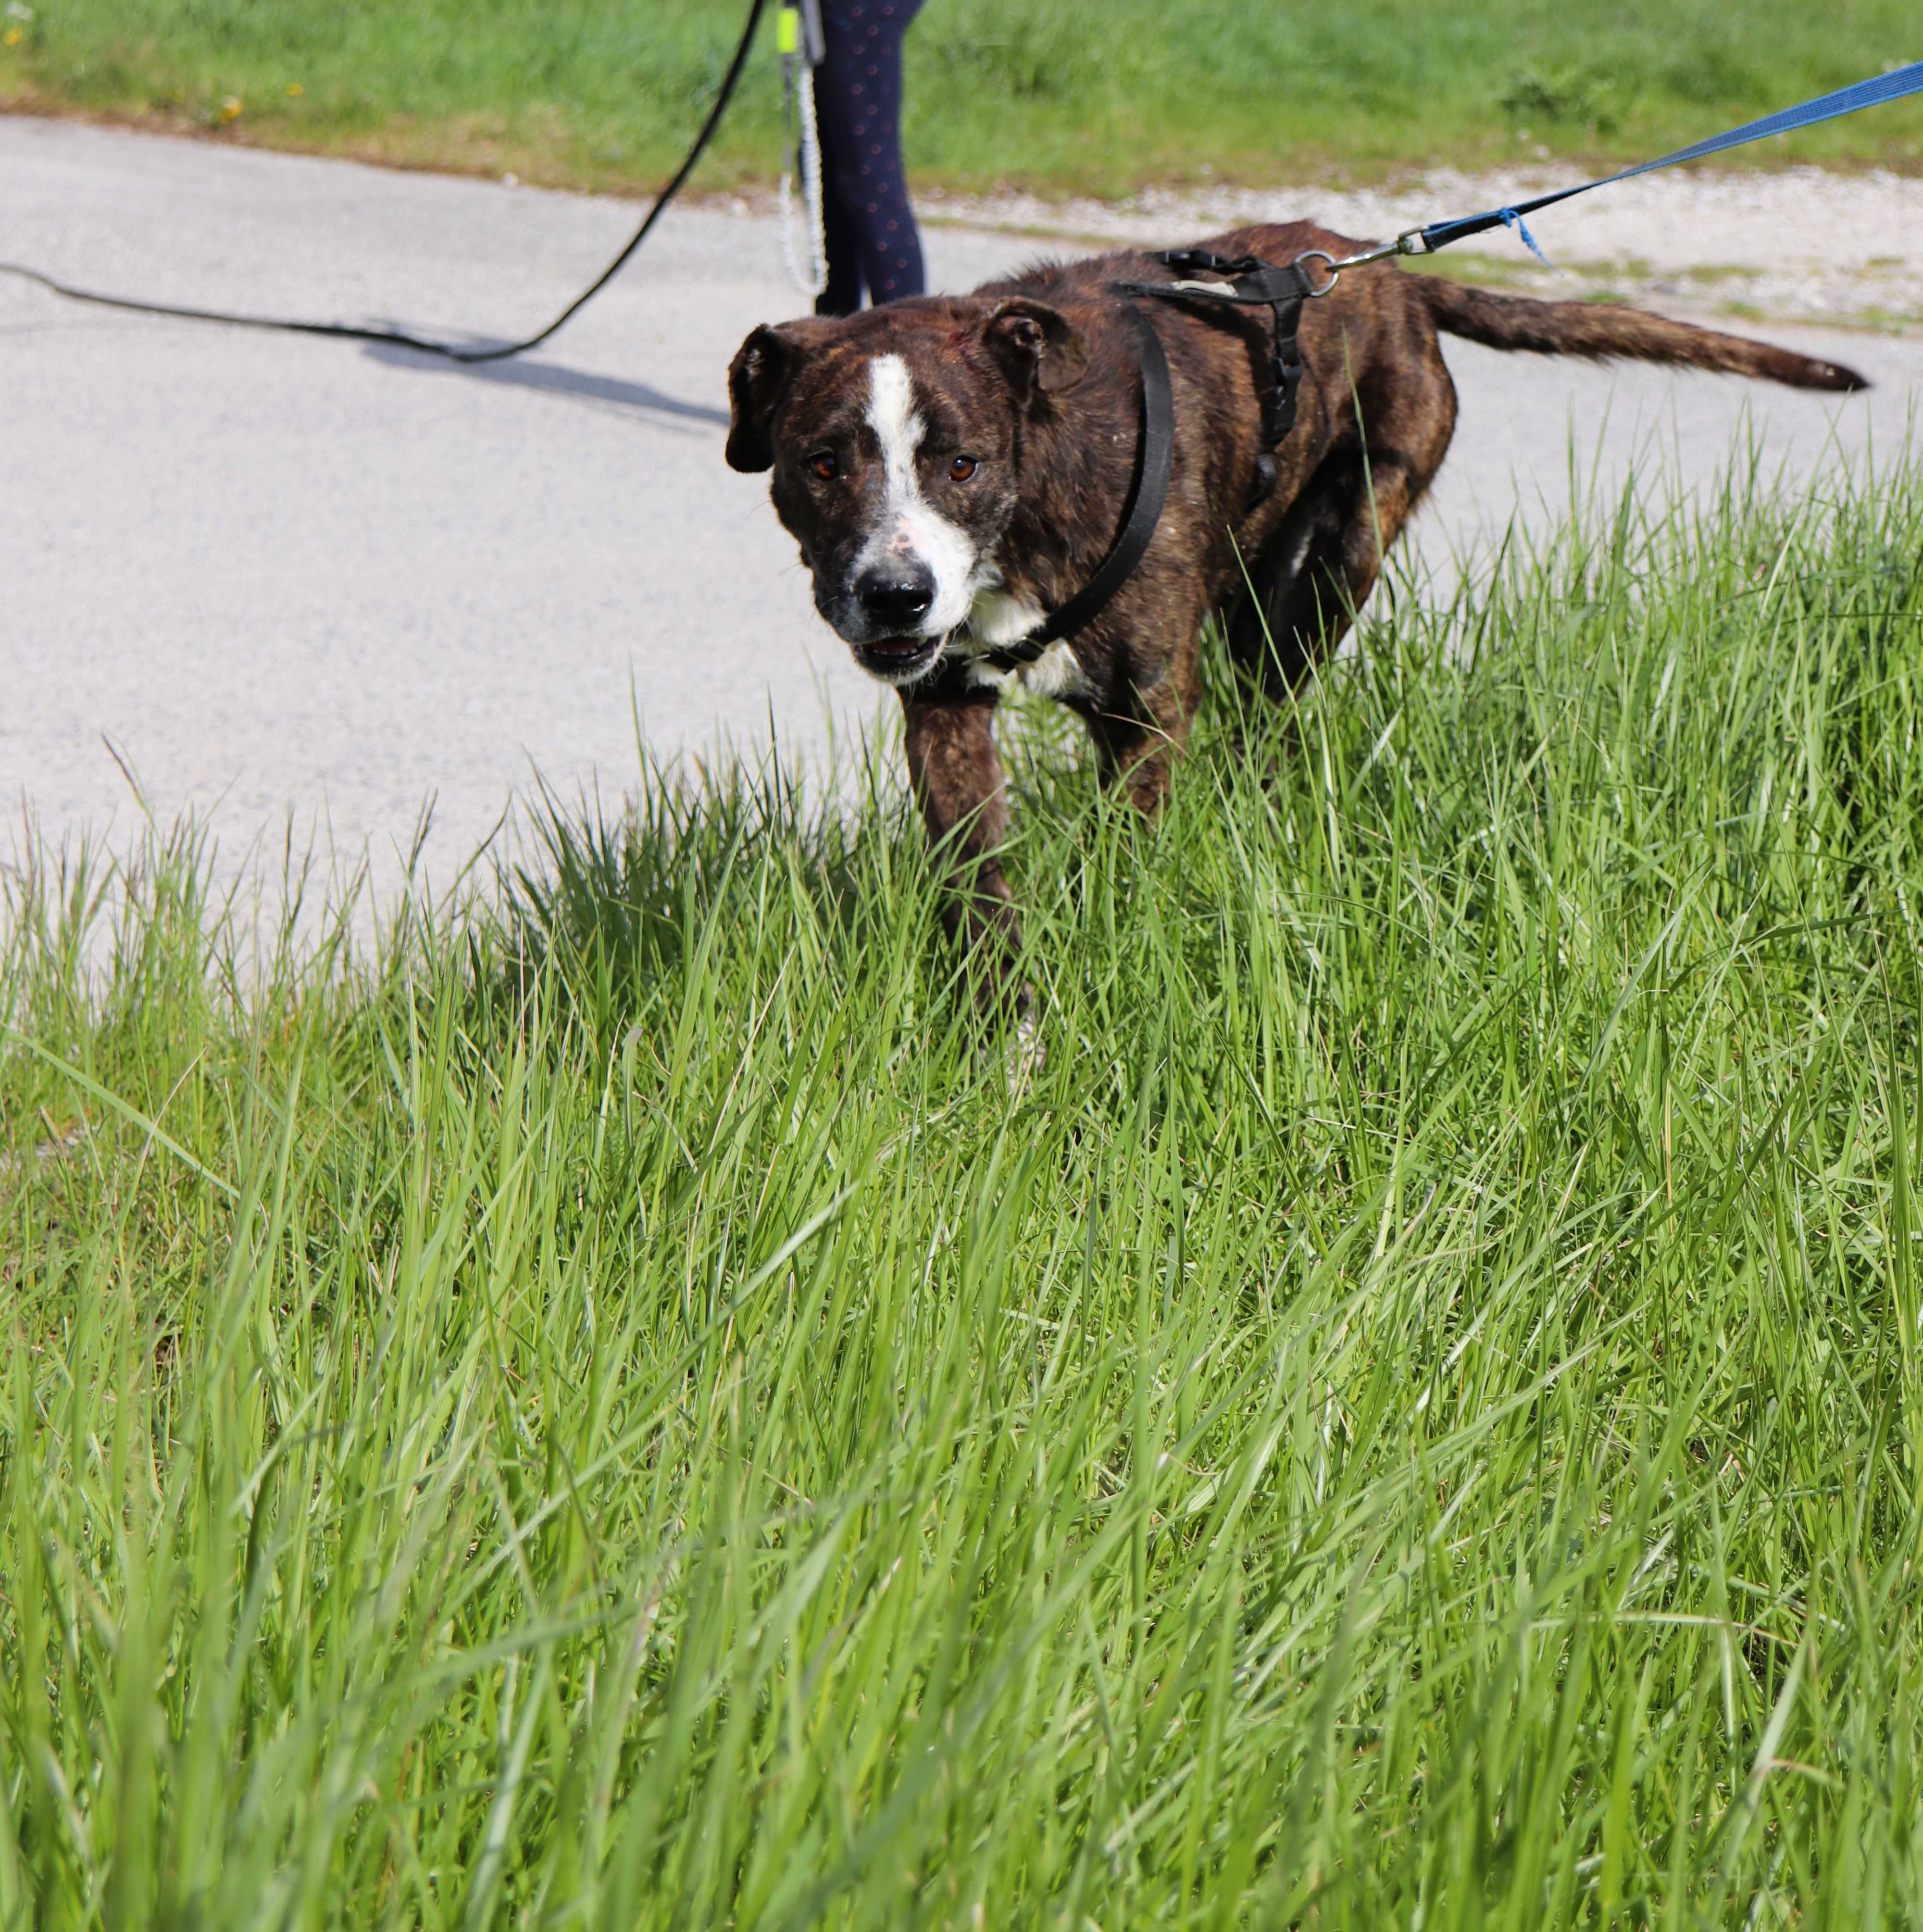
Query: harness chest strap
[1154, 459]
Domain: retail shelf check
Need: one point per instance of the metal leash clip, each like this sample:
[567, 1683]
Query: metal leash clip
[1410, 242]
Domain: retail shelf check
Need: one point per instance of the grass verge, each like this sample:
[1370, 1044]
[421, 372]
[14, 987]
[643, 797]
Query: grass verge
[612, 1412]
[1047, 94]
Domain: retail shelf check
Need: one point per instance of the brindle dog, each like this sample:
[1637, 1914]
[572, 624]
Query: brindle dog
[955, 468]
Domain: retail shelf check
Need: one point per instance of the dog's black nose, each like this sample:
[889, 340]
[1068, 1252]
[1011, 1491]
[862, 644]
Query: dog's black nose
[896, 596]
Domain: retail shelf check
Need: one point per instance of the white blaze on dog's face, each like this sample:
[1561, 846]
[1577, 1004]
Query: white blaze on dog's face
[894, 439]
[910, 530]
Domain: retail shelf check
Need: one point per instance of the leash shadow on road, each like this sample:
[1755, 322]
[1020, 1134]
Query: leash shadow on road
[552, 379]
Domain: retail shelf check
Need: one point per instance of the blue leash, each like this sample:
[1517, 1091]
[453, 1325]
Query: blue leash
[1425, 240]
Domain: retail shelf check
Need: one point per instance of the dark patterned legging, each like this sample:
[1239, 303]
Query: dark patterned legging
[870, 227]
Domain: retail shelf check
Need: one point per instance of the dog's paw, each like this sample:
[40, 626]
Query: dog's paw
[1024, 1056]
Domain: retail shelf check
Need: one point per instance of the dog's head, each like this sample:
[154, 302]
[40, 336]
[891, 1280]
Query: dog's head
[894, 437]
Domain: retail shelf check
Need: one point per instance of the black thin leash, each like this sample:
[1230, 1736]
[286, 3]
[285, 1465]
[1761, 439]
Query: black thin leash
[346, 331]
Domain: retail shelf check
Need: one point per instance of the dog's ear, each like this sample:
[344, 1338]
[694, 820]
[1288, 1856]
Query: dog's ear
[757, 378]
[1039, 348]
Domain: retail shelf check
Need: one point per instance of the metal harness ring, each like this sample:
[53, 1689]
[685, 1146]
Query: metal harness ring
[1335, 273]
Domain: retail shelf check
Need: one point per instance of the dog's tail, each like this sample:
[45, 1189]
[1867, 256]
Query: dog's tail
[1605, 330]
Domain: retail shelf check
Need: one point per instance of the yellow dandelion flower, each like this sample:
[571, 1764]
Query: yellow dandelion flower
[295, 90]
[12, 36]
[232, 108]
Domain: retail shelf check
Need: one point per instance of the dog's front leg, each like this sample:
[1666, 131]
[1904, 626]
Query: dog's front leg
[957, 776]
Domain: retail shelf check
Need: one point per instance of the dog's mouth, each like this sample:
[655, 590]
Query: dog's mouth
[897, 660]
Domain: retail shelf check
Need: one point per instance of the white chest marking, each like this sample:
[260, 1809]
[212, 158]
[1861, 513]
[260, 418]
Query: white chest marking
[1055, 673]
[997, 618]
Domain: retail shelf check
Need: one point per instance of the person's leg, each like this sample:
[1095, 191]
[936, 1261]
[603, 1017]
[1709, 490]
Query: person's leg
[858, 103]
[840, 234]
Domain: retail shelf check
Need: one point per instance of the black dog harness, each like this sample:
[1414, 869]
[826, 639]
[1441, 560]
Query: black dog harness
[1250, 282]
[1253, 283]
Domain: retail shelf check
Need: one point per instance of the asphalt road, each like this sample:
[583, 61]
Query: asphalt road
[284, 581]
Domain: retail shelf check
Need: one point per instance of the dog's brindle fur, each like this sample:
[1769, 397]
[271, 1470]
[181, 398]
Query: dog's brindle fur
[1034, 382]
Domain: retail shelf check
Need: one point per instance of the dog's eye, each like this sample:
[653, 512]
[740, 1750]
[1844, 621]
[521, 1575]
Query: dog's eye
[962, 468]
[825, 465]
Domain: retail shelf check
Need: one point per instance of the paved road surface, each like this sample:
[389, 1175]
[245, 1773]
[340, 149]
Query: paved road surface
[283, 576]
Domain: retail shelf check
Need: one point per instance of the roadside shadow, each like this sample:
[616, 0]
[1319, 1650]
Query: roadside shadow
[611, 392]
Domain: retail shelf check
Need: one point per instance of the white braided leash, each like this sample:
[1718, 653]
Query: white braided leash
[798, 91]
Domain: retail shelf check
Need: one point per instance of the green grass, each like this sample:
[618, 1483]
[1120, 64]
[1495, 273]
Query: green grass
[612, 1413]
[1049, 94]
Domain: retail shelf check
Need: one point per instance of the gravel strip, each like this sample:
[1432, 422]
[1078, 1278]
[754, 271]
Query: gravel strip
[1800, 244]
